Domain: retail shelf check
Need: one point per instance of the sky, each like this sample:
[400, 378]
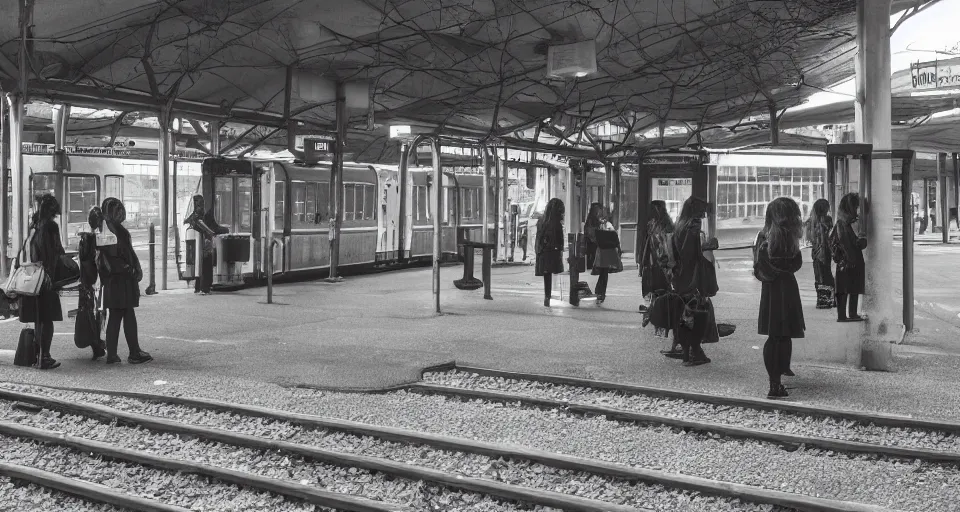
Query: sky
[917, 39]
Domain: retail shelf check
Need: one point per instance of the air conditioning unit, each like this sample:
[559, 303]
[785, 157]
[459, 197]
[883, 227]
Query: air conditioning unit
[572, 60]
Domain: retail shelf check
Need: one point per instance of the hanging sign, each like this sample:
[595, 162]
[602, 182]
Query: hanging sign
[927, 76]
[315, 150]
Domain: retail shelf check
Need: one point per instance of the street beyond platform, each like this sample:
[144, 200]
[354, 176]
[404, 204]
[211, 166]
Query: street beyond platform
[379, 330]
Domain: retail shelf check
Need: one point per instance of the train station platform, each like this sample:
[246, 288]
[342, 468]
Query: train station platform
[378, 330]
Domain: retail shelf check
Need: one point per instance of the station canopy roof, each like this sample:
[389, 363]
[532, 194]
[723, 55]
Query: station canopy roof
[468, 68]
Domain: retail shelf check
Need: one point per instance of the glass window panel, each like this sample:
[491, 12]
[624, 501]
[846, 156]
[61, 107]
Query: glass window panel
[279, 202]
[223, 195]
[323, 202]
[424, 203]
[806, 193]
[113, 187]
[776, 191]
[369, 202]
[298, 205]
[45, 184]
[82, 196]
[349, 201]
[311, 210]
[245, 200]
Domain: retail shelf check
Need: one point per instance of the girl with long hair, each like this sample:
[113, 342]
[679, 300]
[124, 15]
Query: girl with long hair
[120, 273]
[778, 258]
[549, 246]
[818, 228]
[44, 247]
[602, 259]
[851, 273]
[205, 224]
[86, 332]
[692, 281]
[652, 274]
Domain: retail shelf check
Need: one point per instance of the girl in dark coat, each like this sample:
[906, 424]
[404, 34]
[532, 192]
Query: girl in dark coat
[549, 246]
[86, 332]
[693, 283]
[120, 273]
[781, 312]
[45, 248]
[601, 261]
[851, 272]
[203, 222]
[652, 274]
[818, 228]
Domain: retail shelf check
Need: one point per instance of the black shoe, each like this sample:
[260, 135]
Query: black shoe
[788, 373]
[643, 308]
[113, 359]
[49, 363]
[99, 351]
[139, 358]
[777, 391]
[697, 361]
[546, 303]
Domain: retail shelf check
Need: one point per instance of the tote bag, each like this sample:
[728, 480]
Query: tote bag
[27, 279]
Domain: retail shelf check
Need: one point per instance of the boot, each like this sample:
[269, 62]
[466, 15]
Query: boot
[139, 357]
[99, 349]
[777, 391]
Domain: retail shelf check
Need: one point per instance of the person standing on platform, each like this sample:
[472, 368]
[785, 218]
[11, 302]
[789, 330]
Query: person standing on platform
[818, 228]
[86, 332]
[549, 246]
[120, 273]
[694, 280]
[603, 249]
[778, 258]
[44, 247]
[653, 276]
[205, 224]
[847, 248]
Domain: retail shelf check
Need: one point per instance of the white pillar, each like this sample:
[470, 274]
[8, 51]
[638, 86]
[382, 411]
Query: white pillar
[438, 211]
[485, 194]
[873, 119]
[18, 184]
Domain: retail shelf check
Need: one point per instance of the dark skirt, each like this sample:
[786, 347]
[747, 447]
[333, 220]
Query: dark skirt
[42, 308]
[549, 262]
[86, 330]
[851, 281]
[781, 311]
[121, 292]
[653, 279]
[606, 259]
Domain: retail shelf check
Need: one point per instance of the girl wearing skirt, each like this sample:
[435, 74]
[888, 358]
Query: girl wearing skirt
[818, 229]
[549, 246]
[778, 258]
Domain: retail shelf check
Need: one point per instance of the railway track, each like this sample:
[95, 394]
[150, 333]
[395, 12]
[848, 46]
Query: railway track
[473, 439]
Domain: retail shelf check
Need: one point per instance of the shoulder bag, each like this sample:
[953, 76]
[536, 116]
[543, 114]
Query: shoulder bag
[27, 279]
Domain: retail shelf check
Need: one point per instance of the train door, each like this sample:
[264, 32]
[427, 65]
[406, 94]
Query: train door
[229, 186]
[450, 216]
[389, 206]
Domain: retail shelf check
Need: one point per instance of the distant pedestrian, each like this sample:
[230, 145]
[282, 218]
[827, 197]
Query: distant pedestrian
[847, 249]
[120, 273]
[818, 228]
[549, 246]
[778, 258]
[44, 247]
[87, 329]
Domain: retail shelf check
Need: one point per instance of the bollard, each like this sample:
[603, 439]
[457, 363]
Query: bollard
[152, 289]
[273, 244]
[486, 272]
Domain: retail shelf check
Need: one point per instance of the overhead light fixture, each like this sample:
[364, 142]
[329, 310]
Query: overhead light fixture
[580, 74]
[572, 60]
[399, 131]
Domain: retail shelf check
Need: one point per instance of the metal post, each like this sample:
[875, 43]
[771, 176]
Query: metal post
[943, 202]
[336, 181]
[437, 212]
[872, 115]
[504, 202]
[152, 288]
[402, 221]
[774, 125]
[4, 180]
[832, 183]
[214, 138]
[712, 199]
[643, 206]
[485, 199]
[21, 199]
[163, 159]
[269, 268]
[866, 178]
[906, 178]
[485, 273]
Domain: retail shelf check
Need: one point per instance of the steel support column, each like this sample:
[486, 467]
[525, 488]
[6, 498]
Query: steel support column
[163, 160]
[943, 198]
[215, 138]
[712, 199]
[906, 195]
[643, 206]
[336, 182]
[404, 189]
[505, 205]
[873, 114]
[437, 212]
[485, 199]
[4, 198]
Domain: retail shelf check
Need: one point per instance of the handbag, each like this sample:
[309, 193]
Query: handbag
[28, 353]
[27, 279]
[67, 272]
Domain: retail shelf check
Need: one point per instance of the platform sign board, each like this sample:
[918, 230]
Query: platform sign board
[316, 149]
[943, 75]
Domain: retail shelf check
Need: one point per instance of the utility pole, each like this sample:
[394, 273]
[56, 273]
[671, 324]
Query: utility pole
[336, 183]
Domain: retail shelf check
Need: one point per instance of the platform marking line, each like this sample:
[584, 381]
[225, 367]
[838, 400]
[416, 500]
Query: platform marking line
[213, 342]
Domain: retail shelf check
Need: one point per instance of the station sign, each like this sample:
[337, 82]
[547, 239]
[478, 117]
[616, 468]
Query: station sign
[927, 76]
[316, 149]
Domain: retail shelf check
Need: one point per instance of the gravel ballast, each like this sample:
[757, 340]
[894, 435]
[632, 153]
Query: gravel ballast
[786, 422]
[33, 498]
[889, 483]
[352, 481]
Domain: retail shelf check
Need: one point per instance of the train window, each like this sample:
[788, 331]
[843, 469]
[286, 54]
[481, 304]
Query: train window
[113, 187]
[279, 202]
[44, 184]
[245, 199]
[304, 212]
[349, 201]
[298, 199]
[323, 202]
[223, 196]
[424, 203]
[451, 206]
[82, 196]
[311, 213]
[369, 202]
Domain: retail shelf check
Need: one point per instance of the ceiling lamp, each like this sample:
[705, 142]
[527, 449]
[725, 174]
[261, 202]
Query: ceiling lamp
[572, 60]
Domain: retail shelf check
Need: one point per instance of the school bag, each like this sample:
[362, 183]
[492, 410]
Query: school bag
[836, 247]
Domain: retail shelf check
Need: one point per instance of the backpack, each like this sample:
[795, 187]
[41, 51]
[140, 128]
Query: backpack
[836, 247]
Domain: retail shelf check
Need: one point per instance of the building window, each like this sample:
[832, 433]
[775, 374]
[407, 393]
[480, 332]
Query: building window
[113, 187]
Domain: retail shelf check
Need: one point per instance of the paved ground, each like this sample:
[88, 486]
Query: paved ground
[378, 330]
